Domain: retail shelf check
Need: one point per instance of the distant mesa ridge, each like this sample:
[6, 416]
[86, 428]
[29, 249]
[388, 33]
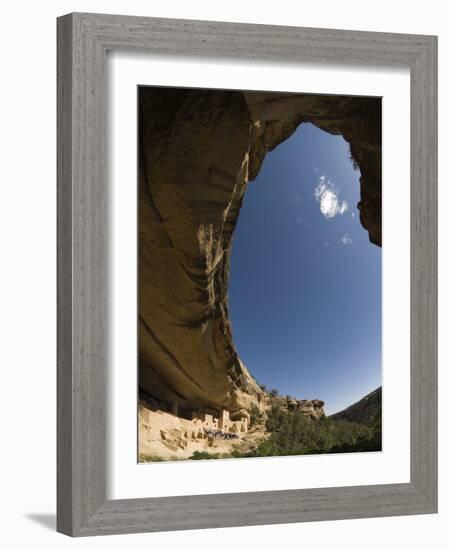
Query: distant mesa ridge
[365, 411]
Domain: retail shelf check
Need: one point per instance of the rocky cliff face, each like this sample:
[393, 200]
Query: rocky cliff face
[198, 151]
[313, 409]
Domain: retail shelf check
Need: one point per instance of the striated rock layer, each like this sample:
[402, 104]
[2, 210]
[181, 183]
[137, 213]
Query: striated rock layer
[198, 151]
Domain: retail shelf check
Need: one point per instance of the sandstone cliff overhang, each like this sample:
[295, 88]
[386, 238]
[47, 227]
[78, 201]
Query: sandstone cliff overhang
[198, 151]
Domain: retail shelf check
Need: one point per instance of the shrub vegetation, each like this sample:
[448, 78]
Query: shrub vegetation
[291, 433]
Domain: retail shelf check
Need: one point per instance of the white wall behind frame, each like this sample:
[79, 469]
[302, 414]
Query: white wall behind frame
[28, 313]
[130, 480]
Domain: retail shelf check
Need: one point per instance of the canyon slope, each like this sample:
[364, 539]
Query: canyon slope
[367, 411]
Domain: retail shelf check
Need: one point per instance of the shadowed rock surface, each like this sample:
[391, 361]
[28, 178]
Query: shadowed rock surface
[198, 151]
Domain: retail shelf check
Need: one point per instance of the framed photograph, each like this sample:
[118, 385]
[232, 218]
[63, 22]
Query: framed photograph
[247, 274]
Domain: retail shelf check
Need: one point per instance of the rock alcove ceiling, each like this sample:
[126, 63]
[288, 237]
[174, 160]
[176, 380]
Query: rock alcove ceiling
[199, 149]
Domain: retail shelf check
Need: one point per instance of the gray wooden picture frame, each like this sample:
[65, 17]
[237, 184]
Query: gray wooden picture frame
[83, 40]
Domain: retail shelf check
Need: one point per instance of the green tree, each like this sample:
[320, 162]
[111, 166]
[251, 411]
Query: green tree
[255, 415]
[292, 433]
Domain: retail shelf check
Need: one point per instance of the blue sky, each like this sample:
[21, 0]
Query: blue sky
[305, 284]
